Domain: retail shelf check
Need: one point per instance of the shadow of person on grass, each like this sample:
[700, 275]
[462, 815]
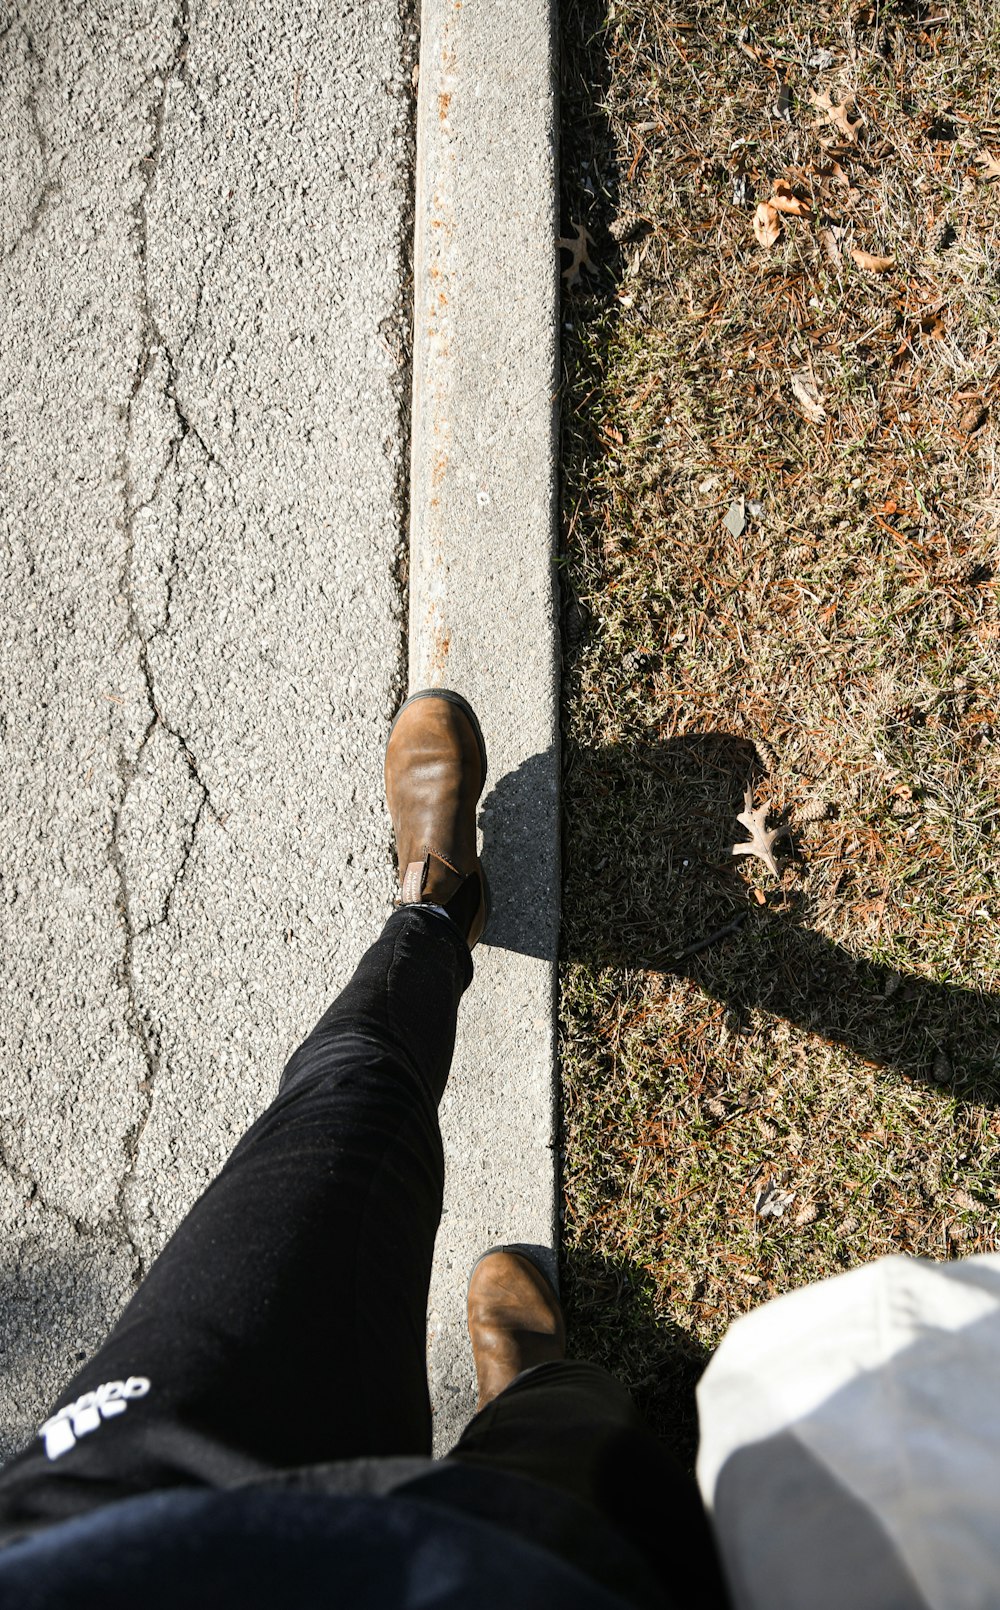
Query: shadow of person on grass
[650, 878]
[611, 1310]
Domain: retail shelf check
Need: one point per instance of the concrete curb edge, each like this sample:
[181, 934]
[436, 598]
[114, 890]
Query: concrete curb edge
[483, 601]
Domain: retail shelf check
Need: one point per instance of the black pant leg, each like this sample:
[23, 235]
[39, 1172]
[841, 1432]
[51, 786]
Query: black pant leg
[572, 1427]
[285, 1321]
[404, 995]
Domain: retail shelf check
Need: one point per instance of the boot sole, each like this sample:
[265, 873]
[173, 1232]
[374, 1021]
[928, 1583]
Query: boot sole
[529, 1254]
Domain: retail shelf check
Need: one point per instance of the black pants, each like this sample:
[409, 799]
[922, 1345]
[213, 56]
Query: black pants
[284, 1324]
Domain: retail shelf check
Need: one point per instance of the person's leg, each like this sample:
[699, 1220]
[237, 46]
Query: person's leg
[571, 1426]
[285, 1321]
[567, 1425]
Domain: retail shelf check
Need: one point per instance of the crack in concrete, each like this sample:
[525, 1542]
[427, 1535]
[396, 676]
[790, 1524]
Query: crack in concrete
[24, 1180]
[152, 344]
[187, 849]
[404, 383]
[153, 340]
[144, 1034]
[50, 187]
[168, 585]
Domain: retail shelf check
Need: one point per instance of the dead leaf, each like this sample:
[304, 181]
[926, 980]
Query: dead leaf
[783, 105]
[988, 167]
[579, 252]
[736, 518]
[870, 263]
[808, 1214]
[784, 199]
[843, 115]
[932, 327]
[746, 43]
[972, 416]
[830, 239]
[807, 395]
[771, 1201]
[766, 224]
[833, 170]
[761, 836]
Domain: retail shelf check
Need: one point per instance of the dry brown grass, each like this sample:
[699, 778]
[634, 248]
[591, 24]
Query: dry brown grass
[840, 654]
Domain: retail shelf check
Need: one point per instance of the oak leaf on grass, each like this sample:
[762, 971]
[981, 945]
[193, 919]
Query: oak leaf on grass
[987, 166]
[766, 224]
[784, 199]
[835, 173]
[830, 240]
[762, 837]
[807, 395]
[843, 115]
[579, 250]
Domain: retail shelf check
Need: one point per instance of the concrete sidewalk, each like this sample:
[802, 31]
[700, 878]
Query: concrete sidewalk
[205, 324]
[205, 424]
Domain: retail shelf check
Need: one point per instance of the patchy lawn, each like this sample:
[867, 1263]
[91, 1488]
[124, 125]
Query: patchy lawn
[781, 519]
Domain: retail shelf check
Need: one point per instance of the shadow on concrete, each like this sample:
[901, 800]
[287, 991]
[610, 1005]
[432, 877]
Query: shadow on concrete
[52, 1316]
[649, 877]
[519, 826]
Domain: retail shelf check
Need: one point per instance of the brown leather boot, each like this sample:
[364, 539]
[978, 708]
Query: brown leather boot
[435, 768]
[515, 1320]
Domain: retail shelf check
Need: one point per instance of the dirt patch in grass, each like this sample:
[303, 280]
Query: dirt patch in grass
[819, 1085]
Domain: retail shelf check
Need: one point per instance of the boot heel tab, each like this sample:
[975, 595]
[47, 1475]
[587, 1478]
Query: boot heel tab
[413, 883]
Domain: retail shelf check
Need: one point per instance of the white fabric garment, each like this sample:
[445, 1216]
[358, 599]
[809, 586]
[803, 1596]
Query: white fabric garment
[850, 1442]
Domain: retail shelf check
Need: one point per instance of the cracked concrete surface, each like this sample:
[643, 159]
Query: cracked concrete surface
[204, 234]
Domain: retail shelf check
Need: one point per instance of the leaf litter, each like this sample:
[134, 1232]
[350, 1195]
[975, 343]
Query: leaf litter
[766, 225]
[870, 262]
[838, 631]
